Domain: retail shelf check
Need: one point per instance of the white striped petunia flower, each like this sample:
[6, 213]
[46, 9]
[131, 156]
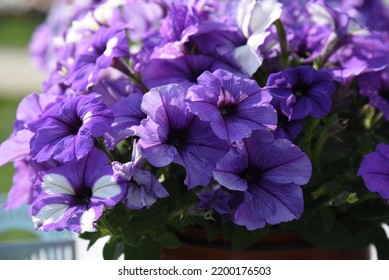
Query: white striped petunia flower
[74, 195]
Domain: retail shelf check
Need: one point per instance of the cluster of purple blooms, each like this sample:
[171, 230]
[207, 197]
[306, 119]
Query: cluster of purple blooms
[179, 81]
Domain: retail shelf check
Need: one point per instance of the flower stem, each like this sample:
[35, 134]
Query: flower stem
[122, 66]
[283, 43]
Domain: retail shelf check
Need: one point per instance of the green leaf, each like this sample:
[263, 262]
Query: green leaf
[91, 236]
[373, 210]
[148, 249]
[328, 217]
[129, 236]
[112, 249]
[338, 237]
[93, 241]
[147, 223]
[116, 216]
[212, 232]
[169, 240]
[228, 230]
[365, 236]
[242, 238]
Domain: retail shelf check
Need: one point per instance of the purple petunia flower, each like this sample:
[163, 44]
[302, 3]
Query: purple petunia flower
[288, 129]
[233, 106]
[269, 172]
[351, 47]
[184, 70]
[302, 91]
[112, 89]
[373, 14]
[26, 173]
[128, 116]
[108, 43]
[65, 132]
[30, 109]
[214, 197]
[143, 188]
[74, 195]
[376, 87]
[173, 134]
[179, 20]
[374, 170]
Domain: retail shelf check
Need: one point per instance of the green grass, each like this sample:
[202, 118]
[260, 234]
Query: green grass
[15, 31]
[17, 235]
[7, 117]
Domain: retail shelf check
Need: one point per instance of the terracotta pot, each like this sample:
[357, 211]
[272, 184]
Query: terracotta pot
[279, 246]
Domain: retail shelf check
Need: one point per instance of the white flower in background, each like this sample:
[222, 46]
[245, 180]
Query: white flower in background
[254, 17]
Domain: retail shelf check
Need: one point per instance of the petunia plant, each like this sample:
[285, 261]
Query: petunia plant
[244, 118]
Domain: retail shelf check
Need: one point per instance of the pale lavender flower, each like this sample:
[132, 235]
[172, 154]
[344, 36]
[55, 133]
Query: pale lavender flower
[30, 109]
[143, 188]
[26, 174]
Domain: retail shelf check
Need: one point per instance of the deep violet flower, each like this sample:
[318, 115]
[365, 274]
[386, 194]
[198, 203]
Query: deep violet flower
[286, 128]
[270, 173]
[216, 198]
[234, 106]
[143, 188]
[65, 132]
[375, 86]
[302, 91]
[74, 195]
[173, 134]
[374, 170]
[184, 70]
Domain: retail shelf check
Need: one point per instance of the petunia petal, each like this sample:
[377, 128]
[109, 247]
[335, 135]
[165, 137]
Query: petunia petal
[56, 184]
[106, 187]
[49, 214]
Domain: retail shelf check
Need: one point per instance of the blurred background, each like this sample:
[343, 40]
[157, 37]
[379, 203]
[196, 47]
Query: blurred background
[18, 78]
